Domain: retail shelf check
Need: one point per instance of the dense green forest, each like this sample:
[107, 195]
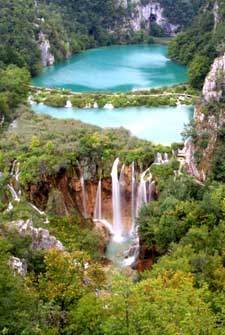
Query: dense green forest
[73, 290]
[181, 12]
[201, 43]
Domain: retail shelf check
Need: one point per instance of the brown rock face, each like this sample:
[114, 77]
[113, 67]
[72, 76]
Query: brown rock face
[63, 193]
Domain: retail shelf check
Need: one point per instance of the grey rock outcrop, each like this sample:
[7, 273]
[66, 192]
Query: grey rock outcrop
[47, 57]
[18, 265]
[152, 12]
[215, 80]
[40, 238]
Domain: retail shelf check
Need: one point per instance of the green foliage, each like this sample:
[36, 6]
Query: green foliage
[14, 86]
[181, 12]
[198, 46]
[17, 303]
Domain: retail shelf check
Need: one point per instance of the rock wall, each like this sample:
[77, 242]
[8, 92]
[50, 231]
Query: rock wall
[63, 193]
[215, 81]
[40, 238]
[47, 58]
[209, 117]
[144, 15]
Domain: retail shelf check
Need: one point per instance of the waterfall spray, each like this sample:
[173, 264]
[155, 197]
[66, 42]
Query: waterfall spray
[159, 159]
[116, 204]
[142, 192]
[13, 192]
[133, 184]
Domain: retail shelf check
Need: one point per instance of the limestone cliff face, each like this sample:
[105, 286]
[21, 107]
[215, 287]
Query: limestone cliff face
[140, 16]
[215, 81]
[144, 15]
[47, 58]
[209, 117]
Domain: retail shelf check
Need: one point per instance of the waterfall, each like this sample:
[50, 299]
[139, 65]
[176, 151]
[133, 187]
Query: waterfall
[159, 159]
[166, 157]
[13, 192]
[36, 209]
[9, 208]
[133, 183]
[68, 104]
[13, 167]
[17, 172]
[83, 197]
[98, 203]
[142, 192]
[122, 185]
[116, 205]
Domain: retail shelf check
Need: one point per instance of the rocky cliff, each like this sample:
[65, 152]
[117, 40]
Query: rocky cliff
[140, 15]
[209, 118]
[47, 58]
[151, 12]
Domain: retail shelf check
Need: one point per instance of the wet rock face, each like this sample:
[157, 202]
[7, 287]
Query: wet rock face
[208, 121]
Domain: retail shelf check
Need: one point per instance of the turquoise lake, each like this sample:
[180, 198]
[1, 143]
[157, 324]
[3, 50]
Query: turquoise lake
[116, 68]
[121, 68]
[157, 124]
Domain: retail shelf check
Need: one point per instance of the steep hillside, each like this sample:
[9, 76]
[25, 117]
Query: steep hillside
[202, 42]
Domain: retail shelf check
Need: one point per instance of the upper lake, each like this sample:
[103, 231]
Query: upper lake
[116, 68]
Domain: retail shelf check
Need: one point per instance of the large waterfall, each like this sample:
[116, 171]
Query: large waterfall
[128, 197]
[133, 184]
[116, 203]
[98, 203]
[141, 193]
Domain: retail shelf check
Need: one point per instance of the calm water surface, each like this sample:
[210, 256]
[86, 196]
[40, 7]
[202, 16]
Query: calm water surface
[116, 68]
[157, 124]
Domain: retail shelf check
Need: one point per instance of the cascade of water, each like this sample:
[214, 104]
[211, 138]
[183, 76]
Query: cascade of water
[159, 159]
[122, 185]
[98, 203]
[83, 196]
[9, 208]
[13, 192]
[68, 104]
[17, 172]
[36, 209]
[133, 184]
[13, 167]
[141, 193]
[166, 157]
[121, 179]
[116, 204]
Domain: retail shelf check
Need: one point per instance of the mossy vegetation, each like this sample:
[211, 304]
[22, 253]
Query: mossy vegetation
[165, 96]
